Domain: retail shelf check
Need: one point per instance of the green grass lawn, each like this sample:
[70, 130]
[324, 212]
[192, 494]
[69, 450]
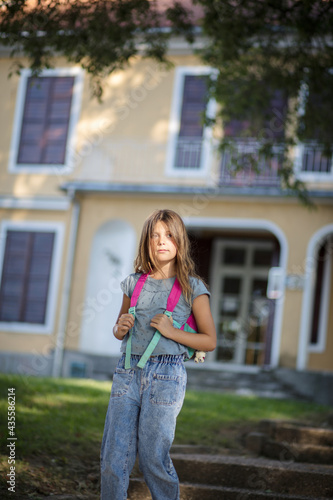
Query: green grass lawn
[59, 426]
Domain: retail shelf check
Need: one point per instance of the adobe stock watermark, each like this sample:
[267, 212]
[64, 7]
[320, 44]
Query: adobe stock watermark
[11, 440]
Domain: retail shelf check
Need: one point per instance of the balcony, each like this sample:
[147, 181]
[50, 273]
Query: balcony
[195, 163]
[245, 166]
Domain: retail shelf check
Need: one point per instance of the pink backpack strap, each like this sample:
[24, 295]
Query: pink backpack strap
[174, 296]
[137, 289]
[191, 323]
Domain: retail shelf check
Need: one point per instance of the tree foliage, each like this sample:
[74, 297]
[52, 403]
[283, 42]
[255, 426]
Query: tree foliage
[100, 35]
[265, 48]
[264, 52]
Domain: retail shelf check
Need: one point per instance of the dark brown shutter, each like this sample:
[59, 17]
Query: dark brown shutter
[194, 105]
[189, 144]
[323, 254]
[45, 121]
[25, 276]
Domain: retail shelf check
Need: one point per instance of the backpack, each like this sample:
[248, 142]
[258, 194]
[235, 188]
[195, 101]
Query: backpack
[189, 326]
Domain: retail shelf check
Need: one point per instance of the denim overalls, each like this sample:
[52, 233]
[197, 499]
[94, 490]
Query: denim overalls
[141, 419]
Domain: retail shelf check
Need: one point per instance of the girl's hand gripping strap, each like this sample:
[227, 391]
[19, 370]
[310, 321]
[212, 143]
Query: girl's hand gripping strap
[134, 299]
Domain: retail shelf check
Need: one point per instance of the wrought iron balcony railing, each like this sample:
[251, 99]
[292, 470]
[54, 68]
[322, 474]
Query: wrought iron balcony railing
[243, 165]
[313, 160]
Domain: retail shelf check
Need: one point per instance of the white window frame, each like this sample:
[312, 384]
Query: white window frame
[300, 146]
[174, 126]
[58, 229]
[51, 169]
[309, 176]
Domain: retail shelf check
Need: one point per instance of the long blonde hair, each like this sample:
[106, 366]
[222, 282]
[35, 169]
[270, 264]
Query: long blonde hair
[145, 263]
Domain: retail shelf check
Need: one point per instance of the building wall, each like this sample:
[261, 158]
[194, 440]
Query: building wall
[123, 139]
[132, 119]
[134, 209]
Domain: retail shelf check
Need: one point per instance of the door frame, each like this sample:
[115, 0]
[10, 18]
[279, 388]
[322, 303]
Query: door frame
[239, 224]
[307, 303]
[247, 243]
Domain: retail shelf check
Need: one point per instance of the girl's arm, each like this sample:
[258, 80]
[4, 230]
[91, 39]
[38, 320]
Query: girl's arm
[204, 340]
[125, 320]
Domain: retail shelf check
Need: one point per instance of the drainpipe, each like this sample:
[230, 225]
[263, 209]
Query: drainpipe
[65, 296]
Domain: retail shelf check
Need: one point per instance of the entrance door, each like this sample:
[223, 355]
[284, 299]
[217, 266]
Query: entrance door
[240, 307]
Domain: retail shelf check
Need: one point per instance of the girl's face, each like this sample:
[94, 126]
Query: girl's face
[162, 244]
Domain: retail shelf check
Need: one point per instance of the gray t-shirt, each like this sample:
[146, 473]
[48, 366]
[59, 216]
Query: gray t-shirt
[153, 300]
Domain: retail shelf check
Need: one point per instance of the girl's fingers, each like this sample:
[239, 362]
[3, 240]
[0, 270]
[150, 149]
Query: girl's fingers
[160, 319]
[126, 319]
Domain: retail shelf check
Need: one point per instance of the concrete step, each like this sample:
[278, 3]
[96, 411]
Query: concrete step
[295, 433]
[292, 442]
[293, 452]
[208, 477]
[260, 383]
[139, 491]
[255, 473]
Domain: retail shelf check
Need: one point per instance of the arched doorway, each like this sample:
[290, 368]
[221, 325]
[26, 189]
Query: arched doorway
[235, 257]
[111, 260]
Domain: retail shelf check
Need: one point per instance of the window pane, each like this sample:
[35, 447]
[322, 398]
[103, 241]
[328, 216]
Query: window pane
[231, 286]
[234, 256]
[262, 258]
[230, 307]
[259, 287]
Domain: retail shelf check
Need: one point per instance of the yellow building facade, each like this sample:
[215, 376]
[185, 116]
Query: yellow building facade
[77, 180]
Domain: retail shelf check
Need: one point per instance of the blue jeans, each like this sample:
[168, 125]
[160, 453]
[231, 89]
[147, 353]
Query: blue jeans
[141, 419]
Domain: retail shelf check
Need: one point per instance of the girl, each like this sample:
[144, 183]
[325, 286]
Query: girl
[145, 402]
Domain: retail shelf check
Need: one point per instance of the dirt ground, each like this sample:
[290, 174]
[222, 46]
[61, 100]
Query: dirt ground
[77, 476]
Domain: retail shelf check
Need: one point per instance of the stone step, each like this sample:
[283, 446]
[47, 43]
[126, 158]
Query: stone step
[206, 477]
[255, 474]
[294, 452]
[139, 491]
[292, 442]
[293, 433]
[262, 383]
